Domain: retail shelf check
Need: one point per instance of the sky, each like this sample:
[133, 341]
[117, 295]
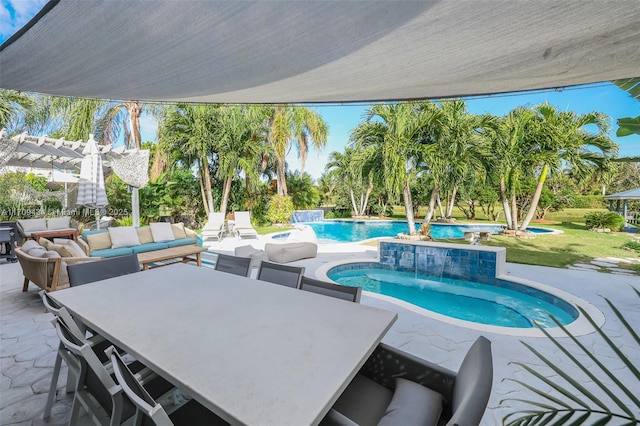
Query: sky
[341, 119]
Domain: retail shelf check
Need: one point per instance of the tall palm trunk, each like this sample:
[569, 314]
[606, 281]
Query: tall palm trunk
[365, 200]
[432, 203]
[226, 190]
[353, 202]
[281, 177]
[505, 202]
[439, 202]
[206, 177]
[135, 111]
[451, 202]
[408, 206]
[514, 212]
[536, 198]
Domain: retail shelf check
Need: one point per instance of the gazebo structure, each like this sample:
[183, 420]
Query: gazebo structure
[42, 152]
[625, 196]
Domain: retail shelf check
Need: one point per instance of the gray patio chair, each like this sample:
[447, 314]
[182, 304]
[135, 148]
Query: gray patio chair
[233, 264]
[344, 292]
[191, 413]
[84, 273]
[79, 331]
[96, 390]
[289, 276]
[397, 388]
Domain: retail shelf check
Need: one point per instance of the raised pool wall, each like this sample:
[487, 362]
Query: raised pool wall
[472, 263]
[307, 216]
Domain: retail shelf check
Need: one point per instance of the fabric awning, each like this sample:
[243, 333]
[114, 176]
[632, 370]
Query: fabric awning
[319, 51]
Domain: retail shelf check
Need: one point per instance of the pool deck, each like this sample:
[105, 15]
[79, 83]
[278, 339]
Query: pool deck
[28, 342]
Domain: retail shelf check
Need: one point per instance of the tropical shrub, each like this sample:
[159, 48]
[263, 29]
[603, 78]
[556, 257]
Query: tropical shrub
[632, 245]
[280, 209]
[602, 220]
[580, 399]
[303, 192]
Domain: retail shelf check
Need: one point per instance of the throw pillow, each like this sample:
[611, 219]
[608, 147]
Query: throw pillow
[72, 247]
[61, 249]
[178, 230]
[99, 241]
[37, 251]
[144, 235]
[46, 243]
[161, 232]
[123, 236]
[412, 404]
[58, 223]
[30, 244]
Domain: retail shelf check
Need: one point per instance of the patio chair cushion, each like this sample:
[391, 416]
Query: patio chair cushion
[181, 242]
[256, 255]
[364, 411]
[58, 223]
[412, 404]
[161, 232]
[149, 247]
[144, 235]
[123, 236]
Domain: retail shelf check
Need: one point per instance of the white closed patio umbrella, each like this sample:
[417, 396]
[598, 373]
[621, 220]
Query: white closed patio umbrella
[91, 190]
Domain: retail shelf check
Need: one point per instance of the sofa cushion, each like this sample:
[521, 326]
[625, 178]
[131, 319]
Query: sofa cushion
[161, 231]
[33, 225]
[144, 234]
[182, 242]
[178, 230]
[149, 247]
[109, 252]
[123, 236]
[58, 223]
[98, 240]
[412, 404]
[28, 245]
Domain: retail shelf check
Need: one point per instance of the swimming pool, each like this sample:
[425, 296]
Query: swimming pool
[502, 303]
[332, 231]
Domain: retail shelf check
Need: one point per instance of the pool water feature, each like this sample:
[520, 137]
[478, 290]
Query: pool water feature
[332, 231]
[467, 283]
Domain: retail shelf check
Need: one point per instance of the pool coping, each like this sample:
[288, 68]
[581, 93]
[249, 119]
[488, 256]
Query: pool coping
[580, 326]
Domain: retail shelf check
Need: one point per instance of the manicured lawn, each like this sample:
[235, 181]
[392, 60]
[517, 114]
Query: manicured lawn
[575, 245]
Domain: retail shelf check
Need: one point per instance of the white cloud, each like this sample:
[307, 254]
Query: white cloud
[148, 128]
[14, 14]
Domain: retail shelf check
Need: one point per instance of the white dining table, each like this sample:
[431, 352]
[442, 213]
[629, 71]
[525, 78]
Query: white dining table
[253, 352]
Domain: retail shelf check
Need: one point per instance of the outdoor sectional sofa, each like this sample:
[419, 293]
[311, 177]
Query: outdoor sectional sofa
[123, 240]
[26, 227]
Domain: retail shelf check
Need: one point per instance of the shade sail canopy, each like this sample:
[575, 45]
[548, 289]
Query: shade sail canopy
[319, 51]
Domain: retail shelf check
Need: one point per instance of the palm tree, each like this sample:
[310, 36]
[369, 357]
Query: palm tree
[11, 102]
[353, 171]
[237, 145]
[397, 131]
[560, 138]
[507, 137]
[190, 130]
[297, 125]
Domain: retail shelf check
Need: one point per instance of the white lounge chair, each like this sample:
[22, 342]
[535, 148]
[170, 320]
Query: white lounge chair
[243, 227]
[214, 228]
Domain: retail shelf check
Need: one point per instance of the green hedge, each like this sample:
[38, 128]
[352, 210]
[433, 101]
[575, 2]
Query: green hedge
[588, 202]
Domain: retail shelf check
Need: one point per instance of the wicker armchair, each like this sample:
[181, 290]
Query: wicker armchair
[48, 273]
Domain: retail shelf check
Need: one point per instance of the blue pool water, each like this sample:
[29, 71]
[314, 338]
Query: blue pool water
[352, 231]
[504, 303]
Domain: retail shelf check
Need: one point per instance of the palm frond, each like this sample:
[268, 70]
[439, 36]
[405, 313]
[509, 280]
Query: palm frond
[577, 400]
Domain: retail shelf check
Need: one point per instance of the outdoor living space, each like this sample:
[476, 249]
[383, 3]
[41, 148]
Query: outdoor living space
[29, 341]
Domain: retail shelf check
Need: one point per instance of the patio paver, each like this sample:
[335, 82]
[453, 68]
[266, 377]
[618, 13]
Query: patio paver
[28, 341]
